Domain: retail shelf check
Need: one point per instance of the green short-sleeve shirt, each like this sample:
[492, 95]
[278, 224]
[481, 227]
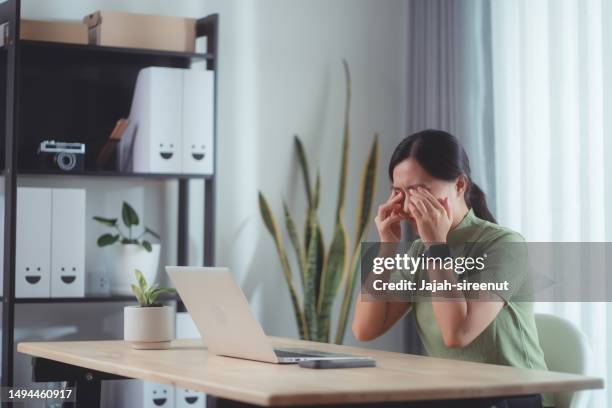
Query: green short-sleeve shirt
[512, 338]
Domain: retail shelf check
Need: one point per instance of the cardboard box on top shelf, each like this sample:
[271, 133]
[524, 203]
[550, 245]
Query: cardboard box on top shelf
[118, 29]
[73, 32]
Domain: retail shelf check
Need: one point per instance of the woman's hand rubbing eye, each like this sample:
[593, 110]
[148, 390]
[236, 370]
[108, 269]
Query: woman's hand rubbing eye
[433, 216]
[389, 216]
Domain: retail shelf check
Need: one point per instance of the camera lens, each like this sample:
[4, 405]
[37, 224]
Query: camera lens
[66, 161]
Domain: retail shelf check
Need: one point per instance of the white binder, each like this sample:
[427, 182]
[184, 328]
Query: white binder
[33, 243]
[152, 142]
[68, 242]
[198, 122]
[185, 398]
[171, 123]
[137, 393]
[157, 395]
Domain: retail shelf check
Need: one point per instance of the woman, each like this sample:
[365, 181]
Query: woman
[432, 189]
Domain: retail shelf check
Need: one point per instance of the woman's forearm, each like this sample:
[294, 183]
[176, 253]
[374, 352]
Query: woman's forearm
[369, 319]
[374, 318]
[461, 319]
[451, 316]
[449, 307]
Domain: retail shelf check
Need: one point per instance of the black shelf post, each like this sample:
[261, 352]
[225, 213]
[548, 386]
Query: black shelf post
[209, 27]
[183, 222]
[9, 17]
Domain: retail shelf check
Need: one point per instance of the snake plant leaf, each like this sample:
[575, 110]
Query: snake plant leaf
[295, 242]
[303, 160]
[333, 271]
[347, 299]
[320, 263]
[307, 223]
[321, 246]
[345, 144]
[317, 191]
[310, 214]
[368, 190]
[310, 296]
[272, 226]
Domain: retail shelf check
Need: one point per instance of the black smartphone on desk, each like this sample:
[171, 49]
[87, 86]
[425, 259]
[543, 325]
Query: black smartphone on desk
[339, 363]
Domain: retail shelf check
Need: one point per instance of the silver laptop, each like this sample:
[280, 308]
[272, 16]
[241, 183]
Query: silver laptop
[222, 314]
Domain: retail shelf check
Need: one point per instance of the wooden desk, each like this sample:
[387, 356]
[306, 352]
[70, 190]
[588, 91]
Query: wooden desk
[236, 383]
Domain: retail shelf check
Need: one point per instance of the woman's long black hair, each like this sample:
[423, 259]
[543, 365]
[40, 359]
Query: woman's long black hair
[443, 157]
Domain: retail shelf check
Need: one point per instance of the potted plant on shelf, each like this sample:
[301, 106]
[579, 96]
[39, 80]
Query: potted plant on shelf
[125, 251]
[150, 325]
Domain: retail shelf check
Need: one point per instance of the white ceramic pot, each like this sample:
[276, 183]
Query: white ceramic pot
[120, 262]
[148, 328]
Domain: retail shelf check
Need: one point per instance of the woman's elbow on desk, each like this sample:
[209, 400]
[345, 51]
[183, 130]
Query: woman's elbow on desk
[364, 332]
[373, 319]
[455, 340]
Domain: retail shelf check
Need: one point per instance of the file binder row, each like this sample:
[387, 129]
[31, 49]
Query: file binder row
[171, 123]
[50, 245]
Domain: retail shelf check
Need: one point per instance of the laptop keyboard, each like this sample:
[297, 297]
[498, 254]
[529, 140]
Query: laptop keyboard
[301, 353]
[284, 353]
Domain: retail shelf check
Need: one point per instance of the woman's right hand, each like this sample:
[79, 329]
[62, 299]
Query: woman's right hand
[388, 218]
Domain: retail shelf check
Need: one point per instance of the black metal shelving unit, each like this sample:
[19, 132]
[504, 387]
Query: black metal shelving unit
[115, 175]
[89, 299]
[97, 84]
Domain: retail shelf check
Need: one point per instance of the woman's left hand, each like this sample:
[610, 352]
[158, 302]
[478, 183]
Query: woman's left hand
[433, 216]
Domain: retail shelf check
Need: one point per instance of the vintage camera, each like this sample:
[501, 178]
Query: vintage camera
[63, 156]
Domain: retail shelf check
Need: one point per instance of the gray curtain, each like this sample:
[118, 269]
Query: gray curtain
[450, 77]
[450, 86]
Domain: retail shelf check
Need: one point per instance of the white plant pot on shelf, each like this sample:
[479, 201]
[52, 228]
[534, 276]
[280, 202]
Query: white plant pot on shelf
[148, 328]
[120, 262]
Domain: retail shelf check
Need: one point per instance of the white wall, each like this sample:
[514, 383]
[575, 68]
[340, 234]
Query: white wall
[280, 73]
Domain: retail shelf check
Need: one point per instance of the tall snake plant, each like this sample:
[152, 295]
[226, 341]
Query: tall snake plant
[324, 271]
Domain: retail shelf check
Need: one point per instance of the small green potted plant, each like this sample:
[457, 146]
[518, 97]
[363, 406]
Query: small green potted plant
[127, 248]
[150, 325]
